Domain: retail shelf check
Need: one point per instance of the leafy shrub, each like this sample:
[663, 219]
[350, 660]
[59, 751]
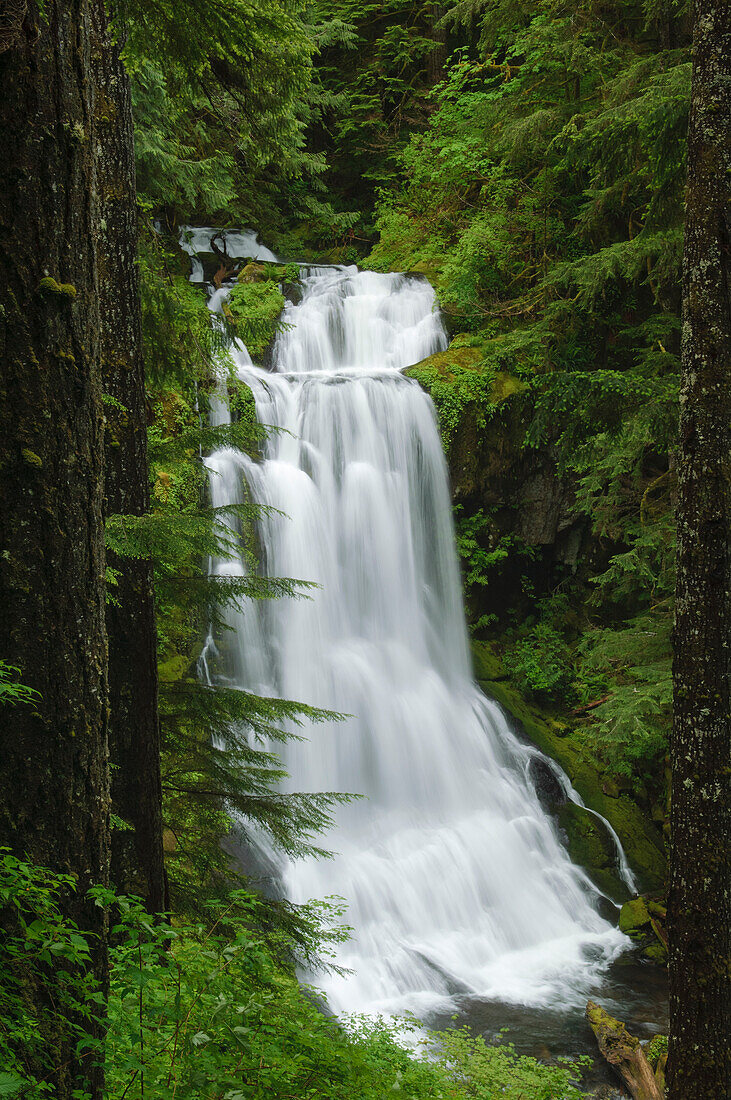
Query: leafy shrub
[13, 693]
[214, 1010]
[40, 949]
[541, 663]
[486, 1072]
[254, 309]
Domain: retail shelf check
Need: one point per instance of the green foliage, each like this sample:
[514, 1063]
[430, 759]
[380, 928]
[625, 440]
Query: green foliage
[177, 162]
[213, 1008]
[40, 950]
[630, 667]
[180, 343]
[482, 554]
[216, 95]
[541, 664]
[254, 310]
[372, 76]
[207, 1010]
[657, 1046]
[484, 1071]
[12, 692]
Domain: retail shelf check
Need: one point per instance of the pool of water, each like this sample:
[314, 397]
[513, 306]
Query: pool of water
[634, 991]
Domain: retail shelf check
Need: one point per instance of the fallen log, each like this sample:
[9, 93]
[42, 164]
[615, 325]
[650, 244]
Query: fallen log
[590, 706]
[624, 1054]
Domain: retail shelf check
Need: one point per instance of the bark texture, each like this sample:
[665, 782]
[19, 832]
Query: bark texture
[134, 737]
[54, 797]
[624, 1054]
[699, 910]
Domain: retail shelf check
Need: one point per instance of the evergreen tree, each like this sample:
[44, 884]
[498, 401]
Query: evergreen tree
[54, 791]
[137, 865]
[700, 890]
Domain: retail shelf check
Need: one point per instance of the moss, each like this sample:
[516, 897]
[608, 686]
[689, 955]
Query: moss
[640, 837]
[486, 663]
[506, 385]
[655, 1049]
[458, 379]
[62, 290]
[252, 273]
[636, 920]
[655, 952]
[173, 668]
[430, 269]
[31, 458]
[254, 308]
[634, 917]
[590, 845]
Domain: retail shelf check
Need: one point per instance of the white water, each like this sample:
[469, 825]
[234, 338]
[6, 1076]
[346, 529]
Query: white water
[238, 245]
[455, 878]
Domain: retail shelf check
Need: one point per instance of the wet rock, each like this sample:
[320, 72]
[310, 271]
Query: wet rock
[252, 272]
[642, 919]
[641, 840]
[548, 788]
[590, 845]
[634, 917]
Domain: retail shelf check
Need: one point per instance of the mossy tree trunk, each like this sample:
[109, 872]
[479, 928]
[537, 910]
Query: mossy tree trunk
[699, 1063]
[437, 59]
[137, 865]
[54, 793]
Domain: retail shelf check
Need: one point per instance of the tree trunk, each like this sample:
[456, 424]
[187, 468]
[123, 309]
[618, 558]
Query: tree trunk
[54, 796]
[437, 59]
[699, 910]
[134, 736]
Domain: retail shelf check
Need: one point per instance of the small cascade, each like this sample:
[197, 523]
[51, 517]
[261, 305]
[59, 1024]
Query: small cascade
[455, 879]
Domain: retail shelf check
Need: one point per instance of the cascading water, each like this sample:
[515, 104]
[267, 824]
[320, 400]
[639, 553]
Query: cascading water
[454, 876]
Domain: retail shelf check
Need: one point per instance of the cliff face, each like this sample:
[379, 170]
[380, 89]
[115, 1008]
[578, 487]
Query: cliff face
[517, 487]
[508, 497]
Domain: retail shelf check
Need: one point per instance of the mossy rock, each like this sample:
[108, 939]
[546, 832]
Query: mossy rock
[449, 366]
[486, 662]
[467, 394]
[252, 273]
[634, 917]
[640, 837]
[591, 847]
[173, 669]
[445, 364]
[254, 308]
[638, 919]
[430, 269]
[655, 952]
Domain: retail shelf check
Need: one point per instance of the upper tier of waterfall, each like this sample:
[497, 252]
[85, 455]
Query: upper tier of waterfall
[455, 879]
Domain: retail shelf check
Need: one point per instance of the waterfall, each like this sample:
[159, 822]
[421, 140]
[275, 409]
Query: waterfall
[455, 879]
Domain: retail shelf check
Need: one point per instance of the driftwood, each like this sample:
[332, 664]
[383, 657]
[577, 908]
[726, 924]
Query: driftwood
[624, 1054]
[227, 265]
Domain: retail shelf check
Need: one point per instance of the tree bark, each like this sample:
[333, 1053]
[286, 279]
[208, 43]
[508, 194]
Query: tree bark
[437, 59]
[54, 795]
[137, 865]
[699, 909]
